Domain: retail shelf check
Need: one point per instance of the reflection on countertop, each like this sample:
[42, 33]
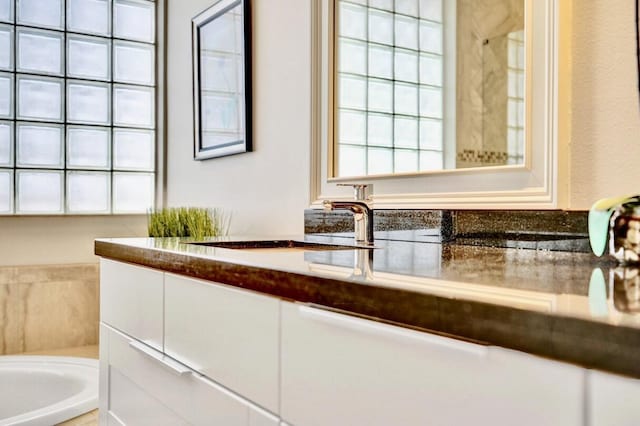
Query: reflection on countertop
[539, 301]
[554, 282]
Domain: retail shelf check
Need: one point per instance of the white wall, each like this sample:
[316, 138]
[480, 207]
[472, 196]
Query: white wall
[50, 240]
[605, 121]
[268, 189]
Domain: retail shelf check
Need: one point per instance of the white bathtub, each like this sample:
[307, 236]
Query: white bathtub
[45, 390]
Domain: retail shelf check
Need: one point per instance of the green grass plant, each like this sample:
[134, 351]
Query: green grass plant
[193, 222]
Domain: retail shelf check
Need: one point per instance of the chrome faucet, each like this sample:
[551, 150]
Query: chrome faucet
[362, 214]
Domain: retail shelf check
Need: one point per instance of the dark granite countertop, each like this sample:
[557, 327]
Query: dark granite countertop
[561, 305]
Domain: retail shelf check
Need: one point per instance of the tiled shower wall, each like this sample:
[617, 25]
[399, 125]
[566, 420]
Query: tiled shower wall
[478, 21]
[48, 307]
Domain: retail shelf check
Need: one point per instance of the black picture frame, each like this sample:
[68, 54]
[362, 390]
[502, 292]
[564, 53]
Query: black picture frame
[222, 80]
[638, 40]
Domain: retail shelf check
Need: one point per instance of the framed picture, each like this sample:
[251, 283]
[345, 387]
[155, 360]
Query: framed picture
[222, 79]
[638, 38]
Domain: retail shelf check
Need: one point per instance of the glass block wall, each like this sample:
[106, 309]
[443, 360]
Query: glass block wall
[515, 95]
[77, 106]
[389, 85]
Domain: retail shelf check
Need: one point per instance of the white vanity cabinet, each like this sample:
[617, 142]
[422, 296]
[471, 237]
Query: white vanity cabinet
[176, 350]
[131, 300]
[612, 399]
[227, 334]
[338, 369]
[140, 384]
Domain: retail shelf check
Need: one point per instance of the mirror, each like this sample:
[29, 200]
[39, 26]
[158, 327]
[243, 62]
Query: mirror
[428, 85]
[538, 181]
[222, 80]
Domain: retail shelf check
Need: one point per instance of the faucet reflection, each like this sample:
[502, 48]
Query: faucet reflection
[363, 264]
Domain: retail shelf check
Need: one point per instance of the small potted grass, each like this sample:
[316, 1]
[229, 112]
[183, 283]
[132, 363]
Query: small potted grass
[192, 222]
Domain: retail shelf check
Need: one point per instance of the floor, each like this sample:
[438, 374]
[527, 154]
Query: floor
[90, 418]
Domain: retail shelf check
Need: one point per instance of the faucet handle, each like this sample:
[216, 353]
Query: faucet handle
[361, 191]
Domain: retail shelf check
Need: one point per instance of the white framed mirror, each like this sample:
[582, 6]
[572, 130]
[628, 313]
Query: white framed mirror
[482, 154]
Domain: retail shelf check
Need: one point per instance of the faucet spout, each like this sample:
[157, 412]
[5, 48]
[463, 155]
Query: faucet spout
[362, 215]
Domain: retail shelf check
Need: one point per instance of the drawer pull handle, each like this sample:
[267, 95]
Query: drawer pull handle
[165, 361]
[395, 332]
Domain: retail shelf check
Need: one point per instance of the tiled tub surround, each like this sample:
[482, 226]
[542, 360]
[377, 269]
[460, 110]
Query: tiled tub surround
[539, 302]
[48, 307]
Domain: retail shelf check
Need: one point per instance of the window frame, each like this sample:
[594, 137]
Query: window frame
[156, 172]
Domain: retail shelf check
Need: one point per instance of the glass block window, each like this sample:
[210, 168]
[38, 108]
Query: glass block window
[77, 106]
[515, 98]
[389, 86]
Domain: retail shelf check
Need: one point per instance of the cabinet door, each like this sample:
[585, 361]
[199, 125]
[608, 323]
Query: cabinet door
[131, 300]
[338, 369]
[131, 405]
[612, 400]
[137, 372]
[259, 417]
[229, 335]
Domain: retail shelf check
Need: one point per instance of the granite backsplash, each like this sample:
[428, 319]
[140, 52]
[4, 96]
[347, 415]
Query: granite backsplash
[554, 230]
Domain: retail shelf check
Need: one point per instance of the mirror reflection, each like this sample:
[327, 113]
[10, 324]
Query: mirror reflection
[427, 85]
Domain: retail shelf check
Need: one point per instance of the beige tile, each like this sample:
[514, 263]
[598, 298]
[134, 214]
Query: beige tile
[59, 314]
[7, 275]
[90, 351]
[47, 273]
[11, 340]
[58, 305]
[48, 307]
[89, 419]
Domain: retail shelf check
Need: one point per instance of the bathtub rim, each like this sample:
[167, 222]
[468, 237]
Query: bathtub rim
[77, 404]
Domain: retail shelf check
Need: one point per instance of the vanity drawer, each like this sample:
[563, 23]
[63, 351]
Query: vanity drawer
[147, 375]
[229, 335]
[131, 299]
[377, 374]
[131, 405]
[612, 399]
